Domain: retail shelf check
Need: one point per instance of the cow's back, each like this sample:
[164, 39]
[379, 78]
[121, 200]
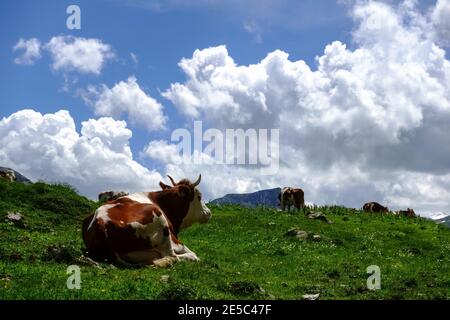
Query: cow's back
[374, 207]
[124, 225]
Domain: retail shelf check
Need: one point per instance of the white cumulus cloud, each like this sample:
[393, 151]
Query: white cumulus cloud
[79, 54]
[367, 123]
[441, 21]
[31, 51]
[126, 97]
[49, 147]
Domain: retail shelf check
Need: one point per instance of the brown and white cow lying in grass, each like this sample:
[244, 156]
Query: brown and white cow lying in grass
[142, 228]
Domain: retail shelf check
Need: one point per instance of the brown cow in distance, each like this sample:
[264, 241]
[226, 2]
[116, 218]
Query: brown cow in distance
[291, 197]
[142, 228]
[407, 213]
[375, 207]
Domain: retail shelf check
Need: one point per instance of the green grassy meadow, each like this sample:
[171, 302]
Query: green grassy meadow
[245, 254]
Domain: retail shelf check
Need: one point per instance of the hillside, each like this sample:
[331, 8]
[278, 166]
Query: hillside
[265, 198]
[245, 254]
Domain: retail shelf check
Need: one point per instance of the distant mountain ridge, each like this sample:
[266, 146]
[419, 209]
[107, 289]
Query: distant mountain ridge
[266, 198]
[442, 219]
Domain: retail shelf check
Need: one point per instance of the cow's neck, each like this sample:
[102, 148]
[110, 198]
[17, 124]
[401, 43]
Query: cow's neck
[173, 208]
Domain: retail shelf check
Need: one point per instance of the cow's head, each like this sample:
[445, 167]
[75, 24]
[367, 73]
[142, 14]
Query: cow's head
[188, 193]
[288, 192]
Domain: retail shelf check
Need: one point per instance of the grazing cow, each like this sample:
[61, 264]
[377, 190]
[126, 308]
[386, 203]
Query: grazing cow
[375, 207]
[407, 213]
[142, 228]
[111, 195]
[8, 175]
[290, 196]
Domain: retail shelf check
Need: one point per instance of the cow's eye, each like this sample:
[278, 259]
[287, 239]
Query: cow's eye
[199, 198]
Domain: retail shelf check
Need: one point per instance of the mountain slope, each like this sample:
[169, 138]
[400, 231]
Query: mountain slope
[266, 198]
[443, 219]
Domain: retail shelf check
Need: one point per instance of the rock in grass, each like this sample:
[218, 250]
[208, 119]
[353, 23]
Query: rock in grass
[16, 218]
[164, 278]
[294, 232]
[319, 216]
[316, 237]
[311, 296]
[6, 278]
[60, 253]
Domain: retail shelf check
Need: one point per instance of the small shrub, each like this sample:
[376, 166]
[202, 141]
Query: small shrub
[177, 291]
[244, 288]
[60, 254]
[334, 274]
[411, 283]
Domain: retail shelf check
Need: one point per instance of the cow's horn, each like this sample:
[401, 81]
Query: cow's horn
[196, 183]
[171, 179]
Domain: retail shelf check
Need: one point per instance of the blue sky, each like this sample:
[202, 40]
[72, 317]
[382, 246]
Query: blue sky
[159, 38]
[358, 90]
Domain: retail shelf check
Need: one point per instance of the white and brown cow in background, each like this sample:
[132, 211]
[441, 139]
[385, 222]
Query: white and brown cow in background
[8, 175]
[291, 197]
[406, 213]
[142, 228]
[375, 207]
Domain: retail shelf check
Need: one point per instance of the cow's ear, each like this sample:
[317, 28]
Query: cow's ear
[184, 191]
[164, 186]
